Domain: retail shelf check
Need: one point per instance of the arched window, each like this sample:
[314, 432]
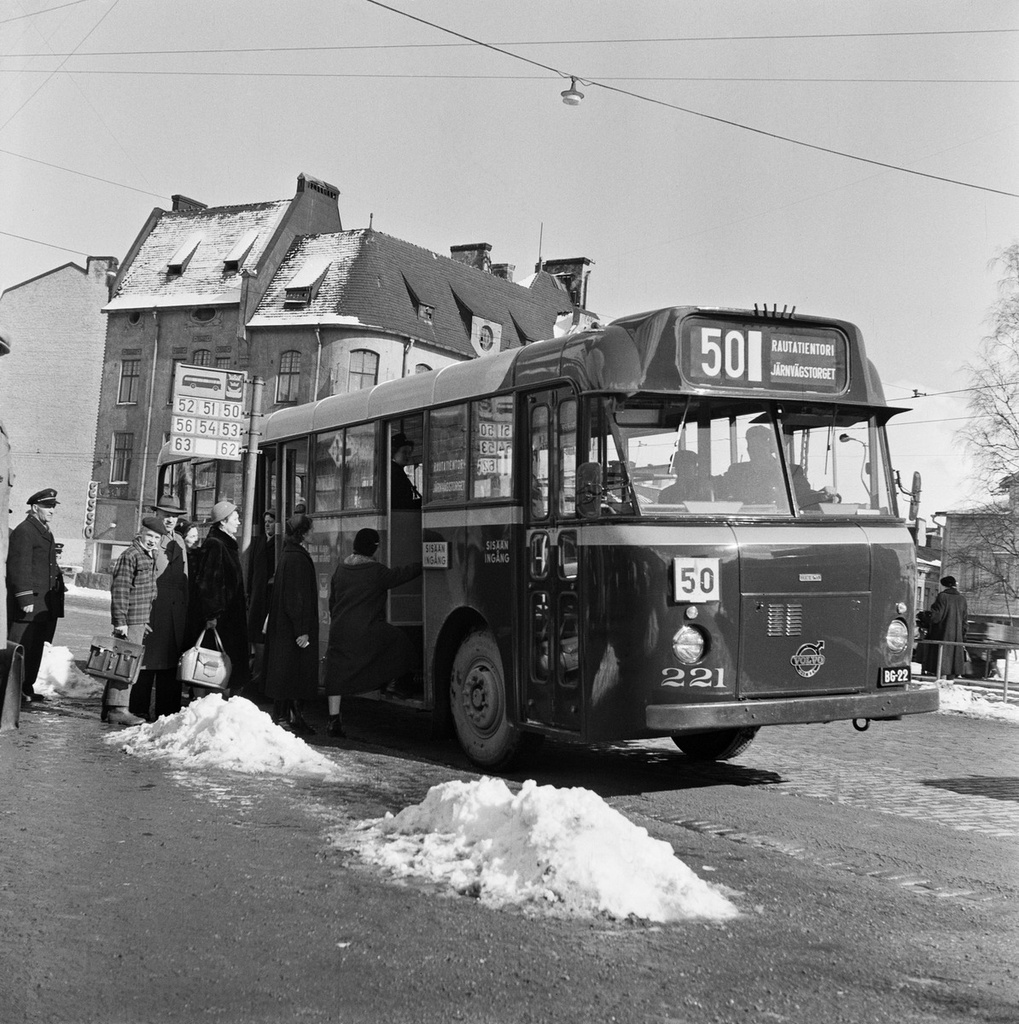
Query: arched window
[288, 379]
[201, 357]
[364, 370]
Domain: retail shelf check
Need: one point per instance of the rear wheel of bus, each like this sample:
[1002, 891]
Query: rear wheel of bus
[715, 746]
[479, 703]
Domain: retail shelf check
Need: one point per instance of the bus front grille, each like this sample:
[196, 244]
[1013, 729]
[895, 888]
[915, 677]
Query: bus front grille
[785, 619]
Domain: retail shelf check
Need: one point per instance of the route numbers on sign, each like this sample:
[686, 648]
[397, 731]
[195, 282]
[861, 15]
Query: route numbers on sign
[695, 580]
[208, 413]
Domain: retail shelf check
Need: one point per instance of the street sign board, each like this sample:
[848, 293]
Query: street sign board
[208, 417]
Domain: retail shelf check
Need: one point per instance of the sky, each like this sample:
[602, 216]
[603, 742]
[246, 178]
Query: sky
[545, 849]
[670, 174]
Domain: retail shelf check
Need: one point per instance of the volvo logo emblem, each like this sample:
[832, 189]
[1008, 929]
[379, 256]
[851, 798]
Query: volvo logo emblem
[808, 659]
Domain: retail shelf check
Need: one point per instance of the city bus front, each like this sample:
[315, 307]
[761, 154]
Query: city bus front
[740, 560]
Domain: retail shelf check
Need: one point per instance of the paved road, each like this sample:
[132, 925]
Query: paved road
[876, 874]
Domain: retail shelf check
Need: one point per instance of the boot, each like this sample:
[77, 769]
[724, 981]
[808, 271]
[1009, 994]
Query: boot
[297, 720]
[335, 727]
[115, 706]
[121, 716]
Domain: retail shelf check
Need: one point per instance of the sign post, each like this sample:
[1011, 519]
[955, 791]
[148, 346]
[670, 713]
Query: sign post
[250, 472]
[208, 413]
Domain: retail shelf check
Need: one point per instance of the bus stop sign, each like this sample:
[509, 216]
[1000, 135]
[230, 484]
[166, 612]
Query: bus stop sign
[208, 413]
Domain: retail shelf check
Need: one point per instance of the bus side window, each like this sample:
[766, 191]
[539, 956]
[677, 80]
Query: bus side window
[539, 461]
[568, 457]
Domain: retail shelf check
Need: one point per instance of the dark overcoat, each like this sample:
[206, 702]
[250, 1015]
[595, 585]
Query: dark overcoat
[33, 576]
[217, 592]
[261, 570]
[291, 672]
[168, 617]
[947, 622]
[365, 652]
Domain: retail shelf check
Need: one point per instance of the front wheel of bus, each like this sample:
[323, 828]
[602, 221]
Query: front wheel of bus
[715, 746]
[478, 699]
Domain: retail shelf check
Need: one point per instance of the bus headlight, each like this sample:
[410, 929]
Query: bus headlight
[688, 645]
[897, 637]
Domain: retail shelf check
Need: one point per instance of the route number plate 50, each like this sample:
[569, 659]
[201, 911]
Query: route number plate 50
[695, 580]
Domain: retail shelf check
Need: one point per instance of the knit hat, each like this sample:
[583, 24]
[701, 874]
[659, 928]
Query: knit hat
[366, 542]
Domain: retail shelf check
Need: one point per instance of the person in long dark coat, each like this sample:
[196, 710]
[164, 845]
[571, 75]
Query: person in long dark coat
[947, 622]
[261, 570]
[291, 638]
[217, 593]
[365, 652]
[35, 585]
[168, 619]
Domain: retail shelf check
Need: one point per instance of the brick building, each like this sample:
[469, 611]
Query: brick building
[49, 388]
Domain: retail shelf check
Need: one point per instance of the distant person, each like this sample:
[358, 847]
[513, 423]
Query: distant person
[291, 637]
[132, 593]
[35, 585]
[217, 593]
[402, 492]
[687, 484]
[365, 652]
[947, 621]
[759, 479]
[261, 570]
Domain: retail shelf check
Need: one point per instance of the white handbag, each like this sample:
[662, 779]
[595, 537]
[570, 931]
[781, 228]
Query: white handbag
[204, 666]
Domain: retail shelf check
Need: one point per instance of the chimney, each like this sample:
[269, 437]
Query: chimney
[503, 270]
[102, 268]
[319, 205]
[473, 255]
[181, 204]
[573, 275]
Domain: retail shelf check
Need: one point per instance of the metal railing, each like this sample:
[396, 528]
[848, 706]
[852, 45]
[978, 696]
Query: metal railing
[978, 645]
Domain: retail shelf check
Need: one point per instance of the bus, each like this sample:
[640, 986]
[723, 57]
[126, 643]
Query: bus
[682, 524]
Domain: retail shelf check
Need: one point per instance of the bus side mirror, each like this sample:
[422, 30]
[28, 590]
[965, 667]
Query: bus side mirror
[914, 498]
[589, 490]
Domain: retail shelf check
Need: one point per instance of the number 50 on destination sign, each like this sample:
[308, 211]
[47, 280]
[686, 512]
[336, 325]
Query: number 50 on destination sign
[695, 580]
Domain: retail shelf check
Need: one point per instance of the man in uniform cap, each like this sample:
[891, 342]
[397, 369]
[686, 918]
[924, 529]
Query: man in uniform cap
[35, 585]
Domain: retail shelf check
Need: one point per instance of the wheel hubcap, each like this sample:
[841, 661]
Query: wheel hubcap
[481, 697]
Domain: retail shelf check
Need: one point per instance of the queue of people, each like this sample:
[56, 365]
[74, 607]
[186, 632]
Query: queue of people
[169, 593]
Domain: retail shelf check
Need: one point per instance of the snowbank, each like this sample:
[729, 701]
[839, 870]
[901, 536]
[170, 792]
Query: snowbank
[977, 703]
[58, 674]
[215, 733]
[560, 849]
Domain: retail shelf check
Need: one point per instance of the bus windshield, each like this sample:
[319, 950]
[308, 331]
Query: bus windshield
[667, 457]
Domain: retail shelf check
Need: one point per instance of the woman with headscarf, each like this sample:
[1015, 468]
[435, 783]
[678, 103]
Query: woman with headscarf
[365, 652]
[217, 596]
[291, 637]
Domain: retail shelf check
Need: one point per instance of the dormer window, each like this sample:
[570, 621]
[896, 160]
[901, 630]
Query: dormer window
[236, 256]
[426, 312]
[179, 261]
[304, 285]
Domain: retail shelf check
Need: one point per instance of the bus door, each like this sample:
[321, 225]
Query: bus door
[295, 479]
[403, 441]
[552, 616]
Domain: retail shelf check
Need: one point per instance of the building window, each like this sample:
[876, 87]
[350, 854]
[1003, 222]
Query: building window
[203, 314]
[288, 379]
[364, 370]
[173, 376]
[422, 368]
[202, 357]
[120, 463]
[223, 362]
[129, 372]
[426, 313]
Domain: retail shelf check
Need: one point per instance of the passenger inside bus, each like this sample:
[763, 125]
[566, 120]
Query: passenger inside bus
[687, 484]
[402, 492]
[758, 480]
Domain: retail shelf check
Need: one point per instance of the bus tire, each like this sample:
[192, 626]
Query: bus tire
[479, 703]
[720, 745]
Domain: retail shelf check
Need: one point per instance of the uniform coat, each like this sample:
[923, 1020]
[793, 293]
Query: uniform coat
[33, 578]
[168, 618]
[291, 672]
[217, 592]
[365, 652]
[947, 622]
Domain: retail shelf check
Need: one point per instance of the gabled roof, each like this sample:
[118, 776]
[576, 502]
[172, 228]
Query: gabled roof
[377, 281]
[211, 270]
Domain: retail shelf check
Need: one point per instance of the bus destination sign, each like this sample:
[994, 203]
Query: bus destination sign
[762, 356]
[208, 414]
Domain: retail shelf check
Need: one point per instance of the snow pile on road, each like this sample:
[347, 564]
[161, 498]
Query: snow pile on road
[976, 703]
[562, 849]
[215, 733]
[58, 674]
